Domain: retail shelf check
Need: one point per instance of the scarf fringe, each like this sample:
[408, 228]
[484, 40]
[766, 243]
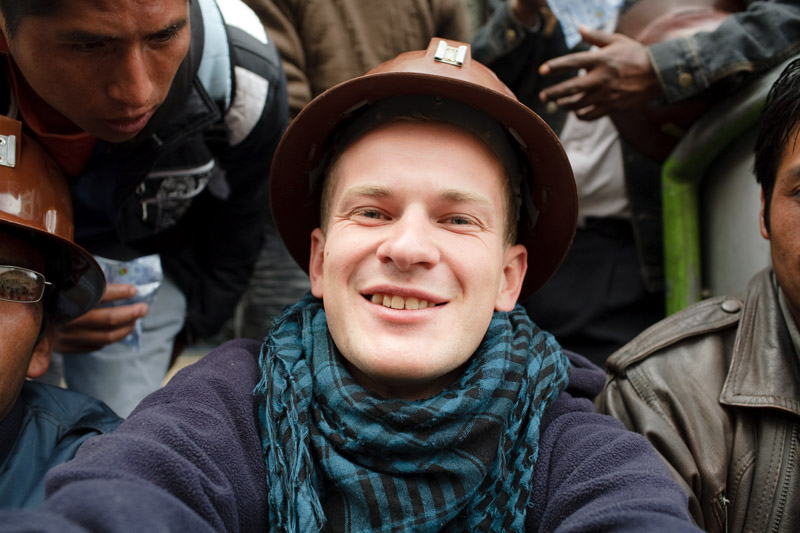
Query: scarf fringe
[301, 479]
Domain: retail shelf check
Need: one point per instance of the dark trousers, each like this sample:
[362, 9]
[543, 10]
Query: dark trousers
[597, 300]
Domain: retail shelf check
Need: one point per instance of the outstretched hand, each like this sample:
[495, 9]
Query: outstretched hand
[619, 76]
[101, 325]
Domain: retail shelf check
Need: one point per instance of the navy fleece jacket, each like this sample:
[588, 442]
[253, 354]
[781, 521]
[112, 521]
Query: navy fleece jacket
[189, 459]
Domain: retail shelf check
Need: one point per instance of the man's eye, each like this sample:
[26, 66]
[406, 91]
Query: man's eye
[369, 213]
[165, 36]
[458, 220]
[87, 47]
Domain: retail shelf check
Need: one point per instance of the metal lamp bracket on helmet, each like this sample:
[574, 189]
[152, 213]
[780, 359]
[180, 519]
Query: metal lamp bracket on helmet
[8, 150]
[450, 54]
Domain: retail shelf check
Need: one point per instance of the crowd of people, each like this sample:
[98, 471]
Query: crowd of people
[446, 244]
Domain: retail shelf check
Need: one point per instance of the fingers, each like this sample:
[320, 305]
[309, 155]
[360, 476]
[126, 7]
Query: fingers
[118, 291]
[572, 90]
[98, 327]
[109, 317]
[592, 112]
[578, 60]
[597, 37]
[565, 93]
[582, 60]
[585, 106]
[88, 341]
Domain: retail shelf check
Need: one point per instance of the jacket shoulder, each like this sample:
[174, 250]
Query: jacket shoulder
[67, 410]
[708, 316]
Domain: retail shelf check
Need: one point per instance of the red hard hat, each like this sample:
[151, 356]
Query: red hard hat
[35, 202]
[445, 70]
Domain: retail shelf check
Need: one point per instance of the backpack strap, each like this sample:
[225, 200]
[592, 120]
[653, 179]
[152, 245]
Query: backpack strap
[214, 71]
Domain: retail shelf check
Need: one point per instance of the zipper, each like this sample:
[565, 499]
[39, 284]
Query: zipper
[724, 502]
[787, 475]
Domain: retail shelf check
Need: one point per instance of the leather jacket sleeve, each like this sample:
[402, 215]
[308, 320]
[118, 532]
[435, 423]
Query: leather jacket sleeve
[649, 389]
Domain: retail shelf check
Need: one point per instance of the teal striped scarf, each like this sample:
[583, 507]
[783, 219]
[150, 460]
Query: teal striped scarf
[342, 458]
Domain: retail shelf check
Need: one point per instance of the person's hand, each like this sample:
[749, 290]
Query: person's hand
[527, 11]
[618, 77]
[101, 325]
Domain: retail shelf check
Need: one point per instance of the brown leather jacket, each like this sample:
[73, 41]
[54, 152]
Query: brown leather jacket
[716, 390]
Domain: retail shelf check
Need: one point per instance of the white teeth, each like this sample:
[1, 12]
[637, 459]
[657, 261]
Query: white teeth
[398, 302]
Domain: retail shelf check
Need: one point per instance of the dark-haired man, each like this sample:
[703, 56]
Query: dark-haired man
[716, 387]
[165, 114]
[45, 280]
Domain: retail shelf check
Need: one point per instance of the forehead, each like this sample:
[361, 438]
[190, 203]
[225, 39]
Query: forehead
[139, 14]
[789, 165]
[439, 153]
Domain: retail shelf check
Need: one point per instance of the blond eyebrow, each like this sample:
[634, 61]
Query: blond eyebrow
[371, 191]
[462, 196]
[452, 195]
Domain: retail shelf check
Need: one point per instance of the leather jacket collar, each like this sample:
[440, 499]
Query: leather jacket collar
[764, 370]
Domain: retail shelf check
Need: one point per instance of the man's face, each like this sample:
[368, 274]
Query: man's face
[20, 354]
[414, 261]
[106, 65]
[784, 233]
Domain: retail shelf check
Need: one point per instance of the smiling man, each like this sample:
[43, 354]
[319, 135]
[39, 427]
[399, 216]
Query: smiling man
[408, 391]
[414, 245]
[165, 114]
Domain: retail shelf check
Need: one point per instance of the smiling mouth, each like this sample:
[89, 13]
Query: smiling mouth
[398, 302]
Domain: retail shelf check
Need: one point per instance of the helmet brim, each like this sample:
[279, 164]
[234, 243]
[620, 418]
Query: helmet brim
[79, 282]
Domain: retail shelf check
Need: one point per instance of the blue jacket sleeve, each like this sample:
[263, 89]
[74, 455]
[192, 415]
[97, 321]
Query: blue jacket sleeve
[747, 43]
[187, 459]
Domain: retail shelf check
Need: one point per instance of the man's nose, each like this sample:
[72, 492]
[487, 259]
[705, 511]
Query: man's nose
[131, 81]
[410, 242]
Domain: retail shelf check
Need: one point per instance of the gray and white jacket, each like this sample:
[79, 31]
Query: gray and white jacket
[193, 186]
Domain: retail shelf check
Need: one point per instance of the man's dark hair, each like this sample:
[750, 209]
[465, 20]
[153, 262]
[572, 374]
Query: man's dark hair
[776, 129]
[16, 10]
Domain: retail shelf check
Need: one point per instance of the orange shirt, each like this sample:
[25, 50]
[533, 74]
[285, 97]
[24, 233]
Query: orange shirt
[71, 150]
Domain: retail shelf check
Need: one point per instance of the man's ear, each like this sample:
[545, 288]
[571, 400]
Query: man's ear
[3, 41]
[316, 262]
[763, 222]
[515, 267]
[40, 360]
